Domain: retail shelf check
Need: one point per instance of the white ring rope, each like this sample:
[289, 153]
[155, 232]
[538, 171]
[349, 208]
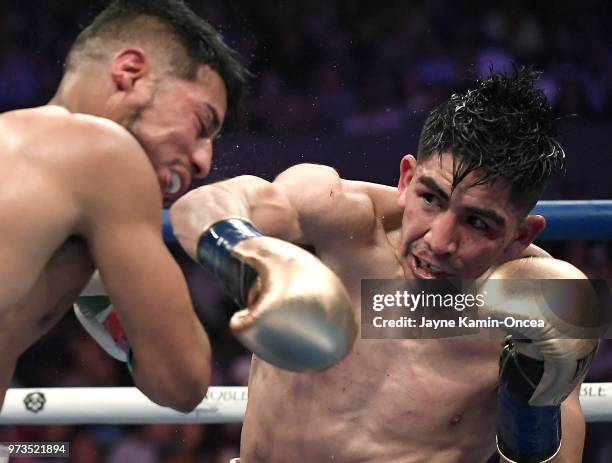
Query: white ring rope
[127, 405]
[115, 405]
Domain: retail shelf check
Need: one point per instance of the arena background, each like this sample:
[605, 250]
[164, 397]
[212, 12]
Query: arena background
[345, 83]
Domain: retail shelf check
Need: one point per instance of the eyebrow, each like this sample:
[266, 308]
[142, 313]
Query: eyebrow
[432, 185]
[490, 214]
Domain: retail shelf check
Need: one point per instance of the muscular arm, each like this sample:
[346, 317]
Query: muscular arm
[383, 198]
[121, 221]
[303, 204]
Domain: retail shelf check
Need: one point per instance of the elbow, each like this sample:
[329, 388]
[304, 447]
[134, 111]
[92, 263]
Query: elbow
[181, 387]
[190, 386]
[186, 393]
[187, 400]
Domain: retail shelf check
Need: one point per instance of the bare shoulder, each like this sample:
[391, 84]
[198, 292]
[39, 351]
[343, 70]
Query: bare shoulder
[32, 114]
[312, 182]
[82, 152]
[534, 251]
[326, 203]
[108, 152]
[91, 163]
[51, 128]
[384, 199]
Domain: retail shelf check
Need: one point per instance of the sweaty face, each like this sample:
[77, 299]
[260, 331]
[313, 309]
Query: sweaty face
[451, 235]
[177, 128]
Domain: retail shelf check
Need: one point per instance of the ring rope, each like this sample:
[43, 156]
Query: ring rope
[115, 405]
[565, 220]
[127, 405]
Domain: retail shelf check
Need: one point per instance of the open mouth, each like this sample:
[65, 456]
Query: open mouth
[174, 182]
[426, 270]
[174, 185]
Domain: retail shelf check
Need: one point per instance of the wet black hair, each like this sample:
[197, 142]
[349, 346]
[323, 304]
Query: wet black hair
[503, 128]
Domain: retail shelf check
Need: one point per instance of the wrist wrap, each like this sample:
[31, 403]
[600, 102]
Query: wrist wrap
[214, 253]
[525, 433]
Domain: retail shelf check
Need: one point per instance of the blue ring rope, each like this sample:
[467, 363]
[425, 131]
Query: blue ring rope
[565, 220]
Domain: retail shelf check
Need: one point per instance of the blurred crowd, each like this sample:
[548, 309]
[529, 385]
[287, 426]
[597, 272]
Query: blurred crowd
[346, 66]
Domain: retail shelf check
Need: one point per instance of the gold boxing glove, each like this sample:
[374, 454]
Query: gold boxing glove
[546, 307]
[297, 314]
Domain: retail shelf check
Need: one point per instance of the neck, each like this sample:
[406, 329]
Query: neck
[80, 93]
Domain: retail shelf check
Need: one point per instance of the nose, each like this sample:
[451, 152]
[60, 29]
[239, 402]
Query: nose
[201, 158]
[442, 235]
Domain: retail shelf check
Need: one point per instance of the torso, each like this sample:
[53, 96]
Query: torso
[41, 269]
[388, 401]
[43, 305]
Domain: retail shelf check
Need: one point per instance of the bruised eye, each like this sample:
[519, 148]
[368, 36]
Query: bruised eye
[478, 223]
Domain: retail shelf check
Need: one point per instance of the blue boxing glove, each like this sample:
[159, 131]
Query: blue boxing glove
[296, 312]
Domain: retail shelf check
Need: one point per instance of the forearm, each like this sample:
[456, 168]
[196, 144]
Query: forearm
[204, 206]
[572, 430]
[179, 381]
[249, 197]
[173, 370]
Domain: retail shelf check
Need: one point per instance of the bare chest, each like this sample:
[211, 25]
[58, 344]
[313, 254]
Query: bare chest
[396, 395]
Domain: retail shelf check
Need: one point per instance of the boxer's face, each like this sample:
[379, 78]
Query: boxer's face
[177, 128]
[455, 235]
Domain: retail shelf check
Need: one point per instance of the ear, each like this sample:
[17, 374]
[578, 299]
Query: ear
[407, 170]
[128, 66]
[527, 232]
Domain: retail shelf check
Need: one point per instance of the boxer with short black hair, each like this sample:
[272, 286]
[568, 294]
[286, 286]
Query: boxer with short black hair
[145, 91]
[460, 211]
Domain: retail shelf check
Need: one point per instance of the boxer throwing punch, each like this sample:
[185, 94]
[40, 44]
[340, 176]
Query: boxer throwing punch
[459, 211]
